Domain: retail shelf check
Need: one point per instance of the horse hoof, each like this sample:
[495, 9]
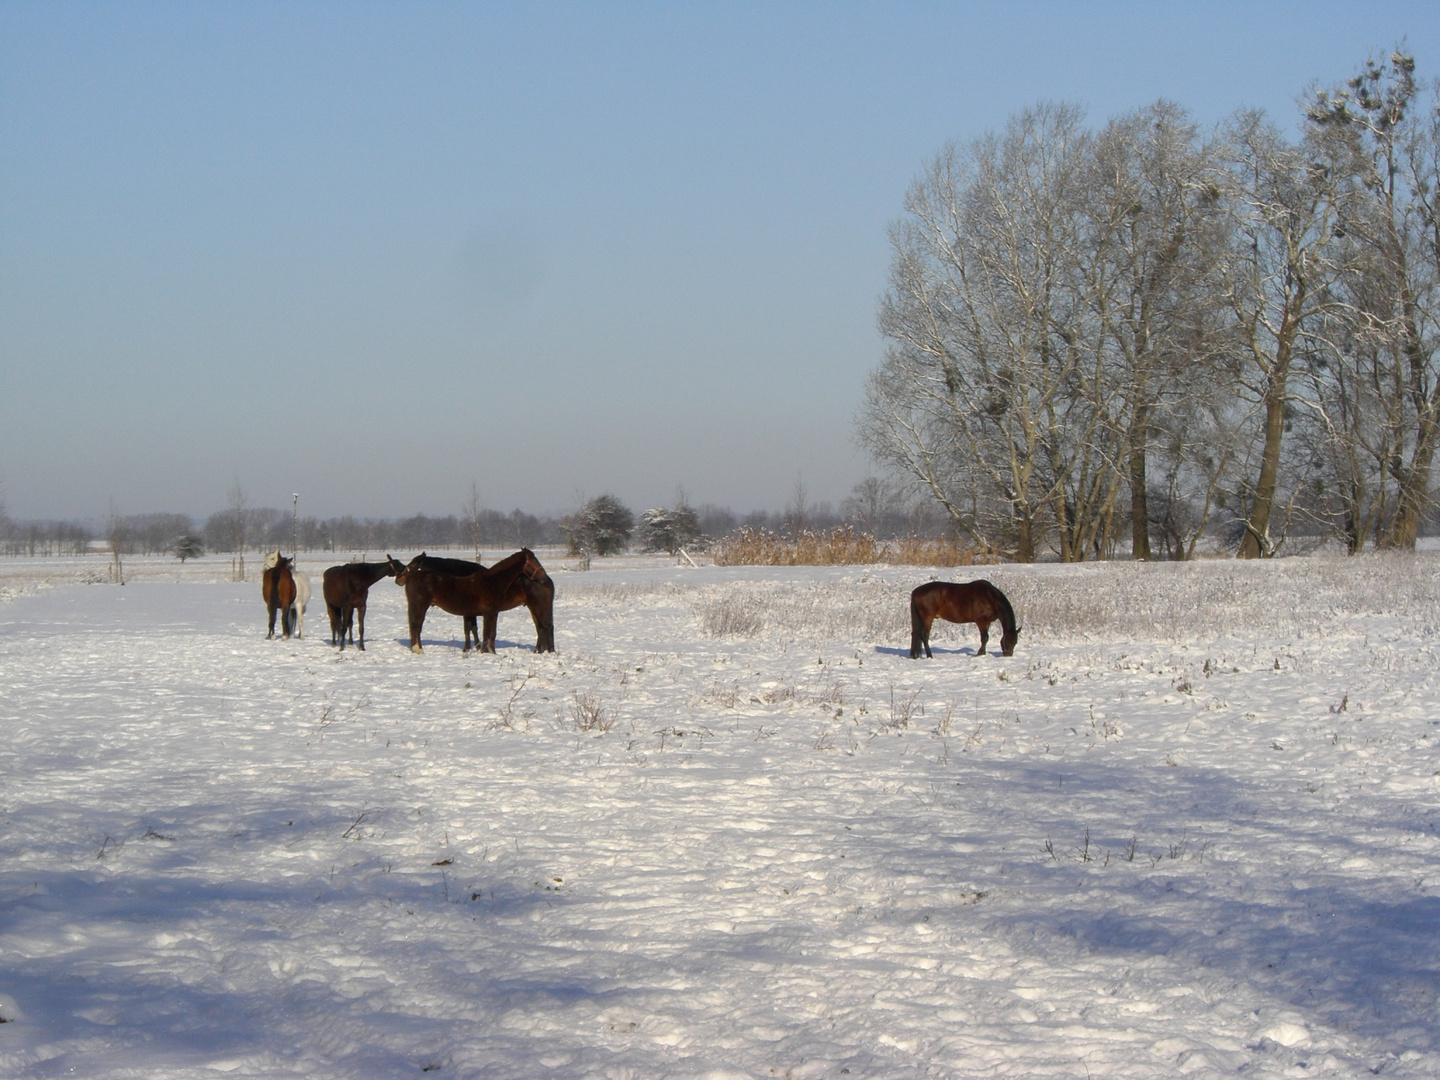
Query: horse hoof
[415, 648]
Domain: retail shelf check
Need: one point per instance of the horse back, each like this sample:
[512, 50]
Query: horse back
[442, 565]
[958, 601]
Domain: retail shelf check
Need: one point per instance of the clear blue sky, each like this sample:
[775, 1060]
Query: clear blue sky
[371, 252]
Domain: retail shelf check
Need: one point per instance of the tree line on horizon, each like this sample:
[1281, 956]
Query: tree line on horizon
[1117, 341]
[600, 526]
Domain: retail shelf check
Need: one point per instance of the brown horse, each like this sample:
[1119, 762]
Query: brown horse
[346, 589]
[515, 580]
[536, 592]
[457, 568]
[971, 601]
[277, 586]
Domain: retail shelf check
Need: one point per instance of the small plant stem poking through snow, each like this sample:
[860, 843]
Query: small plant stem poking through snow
[590, 713]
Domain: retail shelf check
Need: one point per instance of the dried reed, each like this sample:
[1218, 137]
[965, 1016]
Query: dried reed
[842, 546]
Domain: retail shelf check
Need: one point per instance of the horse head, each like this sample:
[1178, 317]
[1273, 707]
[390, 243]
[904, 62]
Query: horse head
[1007, 642]
[393, 566]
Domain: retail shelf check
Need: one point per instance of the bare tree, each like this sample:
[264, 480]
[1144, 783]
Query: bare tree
[474, 513]
[870, 502]
[116, 536]
[1154, 223]
[238, 510]
[993, 395]
[797, 511]
[1383, 137]
[1277, 276]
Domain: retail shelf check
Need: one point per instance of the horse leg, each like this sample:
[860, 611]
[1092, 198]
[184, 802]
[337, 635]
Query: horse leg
[919, 633]
[544, 630]
[470, 632]
[337, 622]
[359, 613]
[487, 643]
[271, 634]
[417, 623]
[984, 635]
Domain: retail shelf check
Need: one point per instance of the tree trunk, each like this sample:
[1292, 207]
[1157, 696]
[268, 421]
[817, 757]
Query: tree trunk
[1026, 552]
[1415, 480]
[1256, 544]
[1415, 487]
[1139, 509]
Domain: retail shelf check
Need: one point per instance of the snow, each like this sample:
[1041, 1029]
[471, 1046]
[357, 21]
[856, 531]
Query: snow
[729, 829]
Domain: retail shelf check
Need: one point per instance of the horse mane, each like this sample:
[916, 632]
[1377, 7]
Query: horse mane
[514, 559]
[517, 563]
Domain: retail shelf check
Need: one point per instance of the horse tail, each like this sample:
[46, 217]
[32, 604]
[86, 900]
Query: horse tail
[917, 628]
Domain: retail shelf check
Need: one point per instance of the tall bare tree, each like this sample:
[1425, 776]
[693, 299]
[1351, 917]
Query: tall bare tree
[473, 514]
[238, 510]
[976, 399]
[1382, 132]
[1277, 276]
[1153, 209]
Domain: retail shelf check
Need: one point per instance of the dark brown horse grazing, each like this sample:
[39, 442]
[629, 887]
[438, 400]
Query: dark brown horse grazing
[346, 589]
[515, 580]
[277, 586]
[971, 601]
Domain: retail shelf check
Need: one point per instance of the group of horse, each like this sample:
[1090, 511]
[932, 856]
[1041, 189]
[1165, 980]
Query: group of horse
[472, 590]
[468, 589]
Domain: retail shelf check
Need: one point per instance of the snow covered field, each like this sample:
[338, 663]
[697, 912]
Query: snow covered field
[730, 829]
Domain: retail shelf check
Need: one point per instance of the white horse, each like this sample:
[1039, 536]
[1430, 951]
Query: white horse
[302, 592]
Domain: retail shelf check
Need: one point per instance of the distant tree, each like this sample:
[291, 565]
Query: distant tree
[188, 546]
[600, 527]
[116, 534]
[873, 505]
[236, 520]
[669, 530]
[715, 520]
[797, 511]
[473, 514]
